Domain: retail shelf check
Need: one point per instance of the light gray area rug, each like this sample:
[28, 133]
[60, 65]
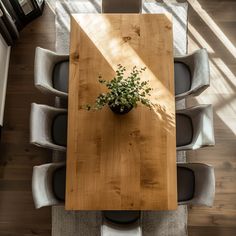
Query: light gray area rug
[65, 8]
[156, 223]
[67, 223]
[165, 223]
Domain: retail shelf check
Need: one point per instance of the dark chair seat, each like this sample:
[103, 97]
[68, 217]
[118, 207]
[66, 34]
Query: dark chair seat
[61, 76]
[122, 217]
[185, 183]
[59, 129]
[182, 78]
[121, 6]
[184, 130]
[59, 183]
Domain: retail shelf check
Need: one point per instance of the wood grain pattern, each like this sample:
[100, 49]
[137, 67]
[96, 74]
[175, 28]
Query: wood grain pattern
[121, 162]
[220, 219]
[18, 216]
[211, 231]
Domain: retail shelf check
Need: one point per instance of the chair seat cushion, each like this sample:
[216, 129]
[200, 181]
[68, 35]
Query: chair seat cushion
[59, 129]
[182, 78]
[59, 183]
[185, 184]
[121, 6]
[184, 130]
[61, 76]
[122, 217]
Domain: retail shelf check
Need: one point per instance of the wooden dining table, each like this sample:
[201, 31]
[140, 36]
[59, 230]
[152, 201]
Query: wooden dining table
[121, 162]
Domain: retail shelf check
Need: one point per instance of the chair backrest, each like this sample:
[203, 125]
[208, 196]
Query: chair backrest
[204, 184]
[200, 69]
[42, 185]
[121, 6]
[198, 63]
[108, 229]
[41, 119]
[121, 223]
[203, 128]
[44, 63]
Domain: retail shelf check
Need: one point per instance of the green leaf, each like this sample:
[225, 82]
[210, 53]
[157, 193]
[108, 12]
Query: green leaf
[123, 91]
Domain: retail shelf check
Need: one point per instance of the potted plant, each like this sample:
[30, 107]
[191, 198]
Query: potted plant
[124, 92]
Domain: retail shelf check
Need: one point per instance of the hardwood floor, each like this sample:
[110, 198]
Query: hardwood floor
[17, 157]
[212, 25]
[18, 216]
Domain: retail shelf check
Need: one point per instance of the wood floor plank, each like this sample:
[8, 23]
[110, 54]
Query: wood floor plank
[211, 231]
[221, 218]
[18, 216]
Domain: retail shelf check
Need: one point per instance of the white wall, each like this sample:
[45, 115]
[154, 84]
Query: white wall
[4, 63]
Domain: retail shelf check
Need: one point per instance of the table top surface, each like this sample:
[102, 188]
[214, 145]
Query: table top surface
[121, 162]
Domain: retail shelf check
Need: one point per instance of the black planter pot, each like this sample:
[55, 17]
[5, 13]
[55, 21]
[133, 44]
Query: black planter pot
[116, 110]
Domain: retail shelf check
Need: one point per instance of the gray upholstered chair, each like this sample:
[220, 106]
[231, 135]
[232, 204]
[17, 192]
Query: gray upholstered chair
[121, 6]
[195, 184]
[192, 74]
[48, 184]
[194, 128]
[119, 223]
[48, 127]
[51, 72]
